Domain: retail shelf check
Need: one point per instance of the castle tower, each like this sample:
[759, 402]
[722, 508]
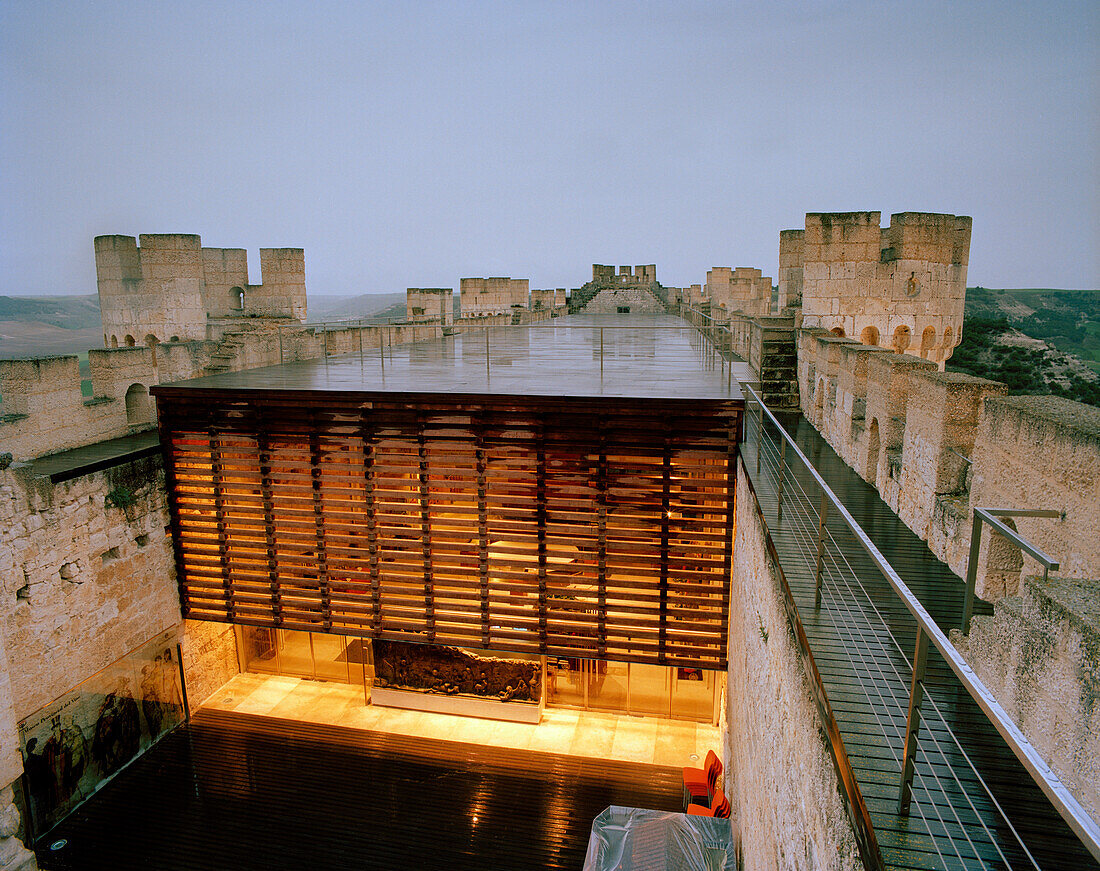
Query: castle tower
[900, 287]
[169, 287]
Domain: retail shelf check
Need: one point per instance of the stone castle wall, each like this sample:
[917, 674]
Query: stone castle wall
[169, 286]
[796, 820]
[937, 444]
[901, 287]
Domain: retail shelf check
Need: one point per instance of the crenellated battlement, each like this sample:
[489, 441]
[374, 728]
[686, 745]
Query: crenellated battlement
[935, 444]
[167, 287]
[900, 287]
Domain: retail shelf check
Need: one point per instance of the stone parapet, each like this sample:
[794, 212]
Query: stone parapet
[1039, 654]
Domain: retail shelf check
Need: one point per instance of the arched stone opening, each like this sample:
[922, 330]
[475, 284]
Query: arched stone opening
[872, 452]
[114, 341]
[869, 336]
[902, 337]
[948, 346]
[927, 342]
[151, 343]
[139, 405]
[236, 298]
[174, 339]
[838, 332]
[128, 340]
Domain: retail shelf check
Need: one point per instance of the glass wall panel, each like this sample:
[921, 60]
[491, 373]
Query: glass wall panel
[258, 651]
[295, 656]
[565, 680]
[693, 693]
[650, 690]
[607, 686]
[330, 660]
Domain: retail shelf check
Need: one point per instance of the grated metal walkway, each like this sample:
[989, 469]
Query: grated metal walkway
[242, 792]
[865, 661]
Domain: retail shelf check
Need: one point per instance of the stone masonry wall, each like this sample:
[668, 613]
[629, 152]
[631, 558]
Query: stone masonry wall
[782, 783]
[936, 444]
[86, 577]
[1039, 654]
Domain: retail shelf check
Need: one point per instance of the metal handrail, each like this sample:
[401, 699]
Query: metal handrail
[1060, 797]
[990, 515]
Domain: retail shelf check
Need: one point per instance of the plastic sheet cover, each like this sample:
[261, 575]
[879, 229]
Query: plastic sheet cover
[634, 839]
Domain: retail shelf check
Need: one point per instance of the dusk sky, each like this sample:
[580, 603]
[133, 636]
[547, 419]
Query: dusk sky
[411, 144]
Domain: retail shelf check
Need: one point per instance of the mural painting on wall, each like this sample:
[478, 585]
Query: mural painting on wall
[75, 744]
[428, 668]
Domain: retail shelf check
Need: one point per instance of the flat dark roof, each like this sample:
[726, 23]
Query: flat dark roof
[583, 356]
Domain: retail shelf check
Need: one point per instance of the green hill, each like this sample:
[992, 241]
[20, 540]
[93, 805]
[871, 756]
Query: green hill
[1035, 340]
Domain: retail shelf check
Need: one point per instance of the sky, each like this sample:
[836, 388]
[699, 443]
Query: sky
[414, 143]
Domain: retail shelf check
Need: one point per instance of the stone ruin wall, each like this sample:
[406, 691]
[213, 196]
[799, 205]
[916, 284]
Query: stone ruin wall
[936, 444]
[772, 723]
[489, 296]
[430, 305]
[168, 287]
[901, 287]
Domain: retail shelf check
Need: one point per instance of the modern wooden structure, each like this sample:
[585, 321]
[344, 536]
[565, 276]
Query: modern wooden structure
[562, 490]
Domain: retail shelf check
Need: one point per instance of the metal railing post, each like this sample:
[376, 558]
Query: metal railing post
[779, 489]
[279, 330]
[601, 352]
[759, 436]
[990, 515]
[486, 353]
[971, 573]
[912, 724]
[822, 513]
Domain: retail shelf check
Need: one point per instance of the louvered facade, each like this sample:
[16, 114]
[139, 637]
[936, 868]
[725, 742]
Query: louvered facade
[594, 528]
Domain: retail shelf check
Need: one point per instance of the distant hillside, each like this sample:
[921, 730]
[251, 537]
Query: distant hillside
[322, 307]
[1034, 340]
[67, 312]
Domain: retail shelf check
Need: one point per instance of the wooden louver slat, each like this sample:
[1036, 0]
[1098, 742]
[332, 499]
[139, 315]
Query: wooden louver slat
[565, 529]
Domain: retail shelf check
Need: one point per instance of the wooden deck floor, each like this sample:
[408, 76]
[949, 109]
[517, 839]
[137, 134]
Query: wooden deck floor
[867, 681]
[237, 791]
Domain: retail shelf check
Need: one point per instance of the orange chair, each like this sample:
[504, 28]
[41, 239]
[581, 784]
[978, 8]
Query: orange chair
[719, 807]
[700, 783]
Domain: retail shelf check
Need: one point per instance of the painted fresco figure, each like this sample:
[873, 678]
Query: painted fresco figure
[117, 735]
